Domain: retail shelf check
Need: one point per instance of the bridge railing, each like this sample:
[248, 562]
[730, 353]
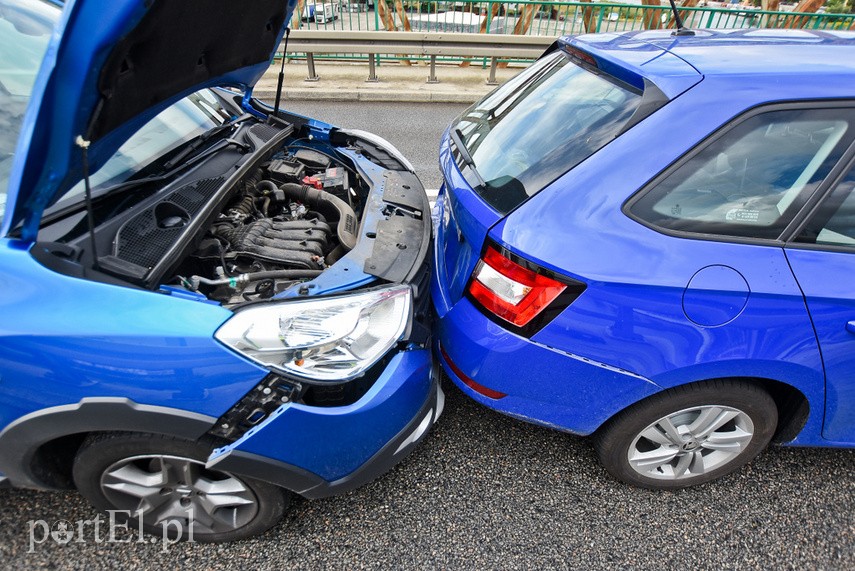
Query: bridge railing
[542, 18]
[353, 29]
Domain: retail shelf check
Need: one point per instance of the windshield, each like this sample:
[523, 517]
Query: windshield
[171, 128]
[25, 30]
[538, 126]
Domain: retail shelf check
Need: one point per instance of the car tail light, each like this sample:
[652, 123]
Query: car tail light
[513, 292]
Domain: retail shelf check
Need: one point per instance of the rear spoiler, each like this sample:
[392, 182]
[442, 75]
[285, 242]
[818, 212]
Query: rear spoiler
[620, 60]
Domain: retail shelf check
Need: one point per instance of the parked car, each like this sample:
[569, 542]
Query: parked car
[208, 304]
[649, 239]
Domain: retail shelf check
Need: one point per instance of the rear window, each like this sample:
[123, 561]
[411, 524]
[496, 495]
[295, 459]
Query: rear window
[537, 127]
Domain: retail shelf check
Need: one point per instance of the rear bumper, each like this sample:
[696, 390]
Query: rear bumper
[318, 452]
[542, 385]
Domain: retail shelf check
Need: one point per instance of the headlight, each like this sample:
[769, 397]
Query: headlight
[328, 339]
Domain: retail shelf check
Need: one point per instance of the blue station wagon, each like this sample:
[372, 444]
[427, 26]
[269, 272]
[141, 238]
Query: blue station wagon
[649, 237]
[209, 304]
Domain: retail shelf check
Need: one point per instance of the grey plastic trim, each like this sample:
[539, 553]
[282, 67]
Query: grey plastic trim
[20, 440]
[288, 476]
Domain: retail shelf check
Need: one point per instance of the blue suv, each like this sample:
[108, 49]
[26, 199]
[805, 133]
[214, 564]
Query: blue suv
[648, 237]
[208, 304]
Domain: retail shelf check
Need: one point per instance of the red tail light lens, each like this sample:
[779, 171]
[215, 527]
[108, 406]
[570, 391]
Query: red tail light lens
[511, 291]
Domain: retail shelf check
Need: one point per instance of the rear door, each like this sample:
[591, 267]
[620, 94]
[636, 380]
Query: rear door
[822, 257]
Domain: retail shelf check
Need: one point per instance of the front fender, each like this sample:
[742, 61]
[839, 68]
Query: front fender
[20, 441]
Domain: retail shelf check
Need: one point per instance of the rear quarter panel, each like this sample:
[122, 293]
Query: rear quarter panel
[631, 315]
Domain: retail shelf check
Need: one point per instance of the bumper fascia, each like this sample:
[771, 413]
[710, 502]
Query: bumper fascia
[543, 386]
[319, 452]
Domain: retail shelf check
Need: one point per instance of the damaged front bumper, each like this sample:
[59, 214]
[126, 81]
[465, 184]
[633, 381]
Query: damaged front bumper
[318, 452]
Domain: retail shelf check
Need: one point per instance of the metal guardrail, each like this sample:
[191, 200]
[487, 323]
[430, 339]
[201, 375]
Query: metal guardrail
[313, 42]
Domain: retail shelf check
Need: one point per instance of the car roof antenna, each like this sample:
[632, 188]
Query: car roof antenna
[90, 215]
[678, 22]
[281, 78]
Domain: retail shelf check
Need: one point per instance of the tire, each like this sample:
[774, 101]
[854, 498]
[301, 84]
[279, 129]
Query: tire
[166, 478]
[716, 427]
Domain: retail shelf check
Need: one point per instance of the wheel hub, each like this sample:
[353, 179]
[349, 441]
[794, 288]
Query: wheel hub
[690, 445]
[690, 442]
[164, 489]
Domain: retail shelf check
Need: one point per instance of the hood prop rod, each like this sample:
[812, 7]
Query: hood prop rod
[90, 215]
[281, 77]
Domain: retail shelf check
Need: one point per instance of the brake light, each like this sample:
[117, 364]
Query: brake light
[581, 56]
[511, 291]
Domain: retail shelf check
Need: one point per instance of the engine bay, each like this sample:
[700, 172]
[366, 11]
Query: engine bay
[290, 220]
[254, 209]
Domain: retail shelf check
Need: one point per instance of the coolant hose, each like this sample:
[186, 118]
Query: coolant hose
[347, 224]
[266, 184]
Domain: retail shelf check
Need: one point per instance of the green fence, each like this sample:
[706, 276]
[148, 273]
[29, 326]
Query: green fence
[549, 18]
[537, 18]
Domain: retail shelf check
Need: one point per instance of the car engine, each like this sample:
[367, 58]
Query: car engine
[290, 220]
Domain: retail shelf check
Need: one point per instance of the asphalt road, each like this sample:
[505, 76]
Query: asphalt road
[485, 491]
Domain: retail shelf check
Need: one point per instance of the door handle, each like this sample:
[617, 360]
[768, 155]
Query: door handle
[850, 327]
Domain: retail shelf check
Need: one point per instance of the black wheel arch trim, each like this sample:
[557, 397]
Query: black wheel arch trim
[21, 439]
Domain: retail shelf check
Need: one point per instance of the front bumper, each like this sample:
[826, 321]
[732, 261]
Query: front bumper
[318, 452]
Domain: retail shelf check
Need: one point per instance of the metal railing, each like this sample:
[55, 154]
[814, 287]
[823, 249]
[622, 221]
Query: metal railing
[544, 18]
[415, 44]
[413, 30]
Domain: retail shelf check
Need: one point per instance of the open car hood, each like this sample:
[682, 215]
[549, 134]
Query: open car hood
[110, 69]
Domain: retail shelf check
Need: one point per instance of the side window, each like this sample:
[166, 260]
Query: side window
[833, 224]
[751, 180]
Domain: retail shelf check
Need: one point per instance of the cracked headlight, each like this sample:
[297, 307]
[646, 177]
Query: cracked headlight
[325, 339]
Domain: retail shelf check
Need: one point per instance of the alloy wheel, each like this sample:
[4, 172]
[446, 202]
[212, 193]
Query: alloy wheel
[690, 442]
[166, 488]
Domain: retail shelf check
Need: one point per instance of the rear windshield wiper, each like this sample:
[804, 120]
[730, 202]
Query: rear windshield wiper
[457, 137]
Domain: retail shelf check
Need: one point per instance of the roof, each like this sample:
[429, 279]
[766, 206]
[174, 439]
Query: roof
[750, 66]
[762, 51]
